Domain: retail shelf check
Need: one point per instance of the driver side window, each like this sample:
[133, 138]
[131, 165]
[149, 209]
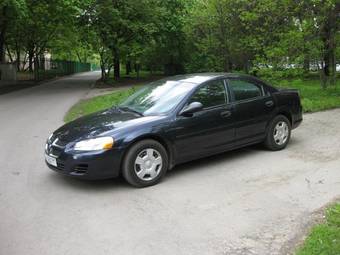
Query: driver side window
[211, 94]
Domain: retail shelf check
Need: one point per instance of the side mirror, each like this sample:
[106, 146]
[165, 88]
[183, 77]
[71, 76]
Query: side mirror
[190, 109]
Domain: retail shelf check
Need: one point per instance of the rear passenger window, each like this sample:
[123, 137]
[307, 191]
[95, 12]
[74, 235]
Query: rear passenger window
[243, 90]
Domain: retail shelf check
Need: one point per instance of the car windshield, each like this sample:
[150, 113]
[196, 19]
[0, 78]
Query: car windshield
[157, 97]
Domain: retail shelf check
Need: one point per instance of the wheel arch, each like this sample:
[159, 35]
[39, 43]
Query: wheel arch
[167, 146]
[285, 113]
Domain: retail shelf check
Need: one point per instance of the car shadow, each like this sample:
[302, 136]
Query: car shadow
[88, 185]
[218, 159]
[225, 158]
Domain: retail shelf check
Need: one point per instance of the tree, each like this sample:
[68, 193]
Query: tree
[274, 35]
[176, 36]
[170, 41]
[116, 24]
[10, 12]
[37, 30]
[329, 25]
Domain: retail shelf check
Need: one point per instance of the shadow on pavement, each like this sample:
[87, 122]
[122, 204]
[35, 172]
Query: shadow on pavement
[203, 164]
[87, 185]
[17, 86]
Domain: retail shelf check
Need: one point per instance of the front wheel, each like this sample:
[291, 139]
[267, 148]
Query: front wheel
[145, 163]
[278, 133]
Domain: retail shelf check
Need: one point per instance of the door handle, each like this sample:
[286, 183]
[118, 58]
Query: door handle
[225, 114]
[269, 103]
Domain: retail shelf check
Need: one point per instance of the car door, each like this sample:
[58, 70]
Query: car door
[209, 130]
[253, 108]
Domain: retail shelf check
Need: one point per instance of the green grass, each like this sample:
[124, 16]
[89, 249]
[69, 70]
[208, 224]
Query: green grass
[132, 77]
[97, 103]
[324, 239]
[314, 98]
[142, 74]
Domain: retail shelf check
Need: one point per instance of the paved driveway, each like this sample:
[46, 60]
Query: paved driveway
[250, 201]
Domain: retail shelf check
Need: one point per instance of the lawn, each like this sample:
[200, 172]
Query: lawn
[97, 103]
[324, 239]
[314, 98]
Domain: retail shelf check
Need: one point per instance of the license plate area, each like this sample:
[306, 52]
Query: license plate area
[51, 160]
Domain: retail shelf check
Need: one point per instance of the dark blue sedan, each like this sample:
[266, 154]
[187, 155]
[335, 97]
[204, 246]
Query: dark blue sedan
[172, 121]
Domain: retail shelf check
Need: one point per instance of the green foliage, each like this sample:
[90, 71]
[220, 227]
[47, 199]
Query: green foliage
[14, 8]
[274, 75]
[11, 11]
[41, 26]
[119, 29]
[98, 103]
[314, 98]
[169, 42]
[275, 38]
[324, 239]
[228, 35]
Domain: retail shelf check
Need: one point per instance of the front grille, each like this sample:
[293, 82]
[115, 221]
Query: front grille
[60, 165]
[55, 151]
[51, 139]
[55, 146]
[59, 143]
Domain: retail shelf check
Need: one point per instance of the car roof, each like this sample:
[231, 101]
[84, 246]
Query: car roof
[199, 78]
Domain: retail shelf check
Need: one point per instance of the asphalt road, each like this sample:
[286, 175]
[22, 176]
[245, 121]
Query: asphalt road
[250, 201]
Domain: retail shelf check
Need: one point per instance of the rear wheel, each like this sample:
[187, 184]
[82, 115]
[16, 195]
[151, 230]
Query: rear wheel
[145, 163]
[278, 133]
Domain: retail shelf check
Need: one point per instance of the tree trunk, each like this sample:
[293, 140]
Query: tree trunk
[326, 60]
[103, 75]
[306, 63]
[78, 56]
[116, 66]
[333, 67]
[37, 75]
[322, 74]
[18, 58]
[305, 50]
[2, 35]
[246, 65]
[42, 61]
[30, 60]
[333, 42]
[230, 65]
[9, 55]
[128, 67]
[329, 44]
[137, 68]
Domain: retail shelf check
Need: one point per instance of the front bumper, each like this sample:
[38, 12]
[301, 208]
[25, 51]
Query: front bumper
[88, 165]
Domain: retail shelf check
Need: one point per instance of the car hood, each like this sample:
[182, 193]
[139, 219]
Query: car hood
[99, 123]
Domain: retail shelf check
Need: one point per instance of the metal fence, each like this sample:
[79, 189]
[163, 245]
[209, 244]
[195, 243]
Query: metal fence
[48, 69]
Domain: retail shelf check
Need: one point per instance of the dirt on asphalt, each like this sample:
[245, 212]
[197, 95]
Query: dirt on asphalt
[249, 201]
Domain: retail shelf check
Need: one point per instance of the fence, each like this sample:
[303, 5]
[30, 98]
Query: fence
[48, 69]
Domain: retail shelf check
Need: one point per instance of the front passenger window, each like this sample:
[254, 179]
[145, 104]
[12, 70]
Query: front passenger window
[243, 90]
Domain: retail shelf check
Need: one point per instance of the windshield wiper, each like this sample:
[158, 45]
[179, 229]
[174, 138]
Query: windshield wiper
[126, 108]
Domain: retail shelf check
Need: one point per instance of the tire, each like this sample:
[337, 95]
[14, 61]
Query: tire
[142, 166]
[278, 133]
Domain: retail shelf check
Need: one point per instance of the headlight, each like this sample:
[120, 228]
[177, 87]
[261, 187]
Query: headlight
[100, 143]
